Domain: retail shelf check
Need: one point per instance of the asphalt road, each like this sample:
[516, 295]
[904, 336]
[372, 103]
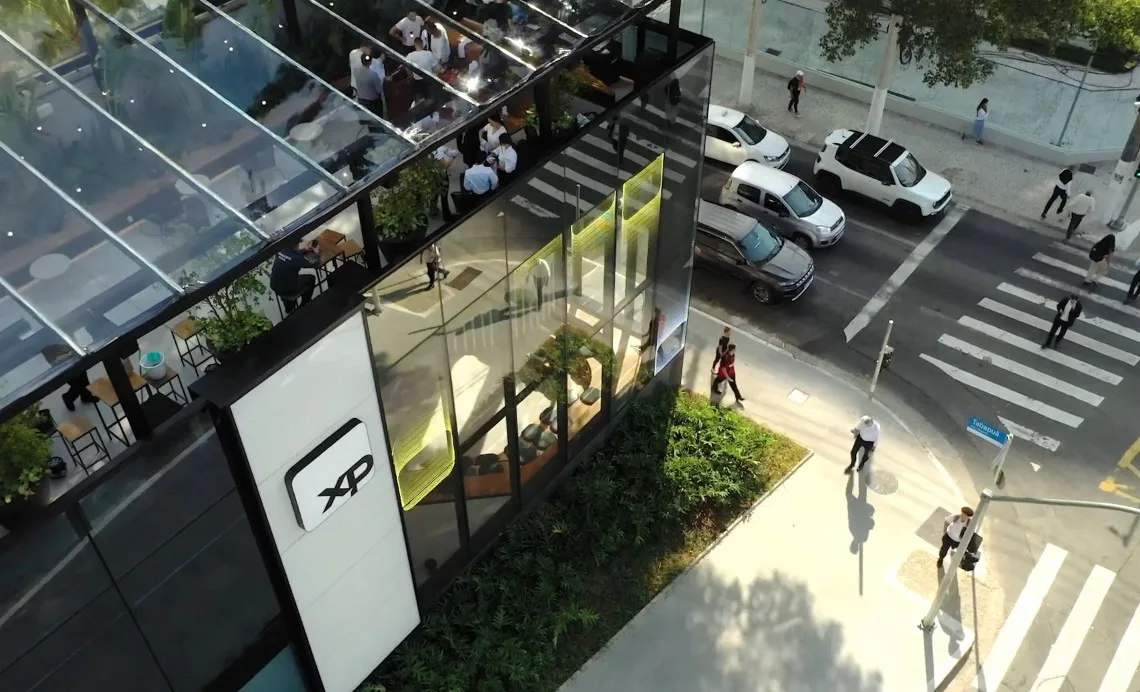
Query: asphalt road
[968, 324]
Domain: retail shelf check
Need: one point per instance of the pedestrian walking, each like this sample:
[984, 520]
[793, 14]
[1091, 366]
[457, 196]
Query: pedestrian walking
[540, 275]
[727, 373]
[866, 433]
[954, 527]
[673, 101]
[619, 135]
[77, 386]
[1068, 310]
[1060, 192]
[1100, 256]
[1081, 206]
[981, 113]
[1134, 287]
[721, 348]
[795, 87]
[433, 258]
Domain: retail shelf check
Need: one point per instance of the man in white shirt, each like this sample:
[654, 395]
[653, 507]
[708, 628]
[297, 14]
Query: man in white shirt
[866, 433]
[955, 529]
[355, 64]
[436, 40]
[370, 85]
[1081, 206]
[540, 274]
[504, 157]
[407, 30]
[480, 179]
[426, 61]
[1060, 192]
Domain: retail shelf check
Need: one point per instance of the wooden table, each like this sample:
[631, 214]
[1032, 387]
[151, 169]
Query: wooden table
[105, 392]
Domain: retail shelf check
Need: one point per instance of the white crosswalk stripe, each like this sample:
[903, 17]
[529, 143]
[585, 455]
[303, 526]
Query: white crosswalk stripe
[1073, 336]
[1086, 596]
[995, 350]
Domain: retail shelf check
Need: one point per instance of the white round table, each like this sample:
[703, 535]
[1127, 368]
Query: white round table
[49, 266]
[305, 132]
[186, 190]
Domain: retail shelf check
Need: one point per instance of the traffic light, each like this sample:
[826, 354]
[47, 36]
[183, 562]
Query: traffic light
[887, 353]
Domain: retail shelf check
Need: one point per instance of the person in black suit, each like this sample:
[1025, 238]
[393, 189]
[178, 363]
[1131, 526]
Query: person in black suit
[1068, 310]
[76, 386]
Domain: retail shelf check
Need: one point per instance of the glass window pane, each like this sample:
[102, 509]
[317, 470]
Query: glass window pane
[416, 104]
[525, 31]
[587, 17]
[541, 455]
[310, 116]
[486, 476]
[641, 197]
[633, 355]
[225, 150]
[282, 674]
[172, 531]
[591, 241]
[157, 212]
[588, 362]
[68, 629]
[65, 267]
[29, 351]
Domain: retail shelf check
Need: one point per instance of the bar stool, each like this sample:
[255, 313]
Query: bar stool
[76, 430]
[105, 391]
[330, 237]
[170, 379]
[351, 251]
[188, 342]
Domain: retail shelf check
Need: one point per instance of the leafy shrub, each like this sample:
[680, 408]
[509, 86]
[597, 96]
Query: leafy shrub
[568, 574]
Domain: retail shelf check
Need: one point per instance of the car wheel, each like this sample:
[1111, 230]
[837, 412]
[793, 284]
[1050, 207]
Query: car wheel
[763, 293]
[803, 242]
[907, 211]
[829, 182]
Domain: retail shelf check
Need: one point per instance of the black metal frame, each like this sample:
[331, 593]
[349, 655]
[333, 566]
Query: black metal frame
[321, 216]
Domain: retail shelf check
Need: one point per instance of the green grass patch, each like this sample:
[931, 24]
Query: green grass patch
[569, 574]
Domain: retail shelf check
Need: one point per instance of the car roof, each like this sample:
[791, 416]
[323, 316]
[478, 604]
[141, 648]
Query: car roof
[726, 221]
[869, 145]
[720, 115]
[775, 181]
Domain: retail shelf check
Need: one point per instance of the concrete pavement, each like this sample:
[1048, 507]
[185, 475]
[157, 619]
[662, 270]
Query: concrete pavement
[822, 585]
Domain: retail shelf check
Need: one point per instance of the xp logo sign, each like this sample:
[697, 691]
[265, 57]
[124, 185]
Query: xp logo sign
[330, 475]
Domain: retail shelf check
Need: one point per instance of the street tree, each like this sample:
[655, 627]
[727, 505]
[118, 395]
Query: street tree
[942, 37]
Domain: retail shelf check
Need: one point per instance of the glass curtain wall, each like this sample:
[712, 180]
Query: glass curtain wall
[152, 582]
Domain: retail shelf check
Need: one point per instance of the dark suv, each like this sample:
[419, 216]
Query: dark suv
[740, 246]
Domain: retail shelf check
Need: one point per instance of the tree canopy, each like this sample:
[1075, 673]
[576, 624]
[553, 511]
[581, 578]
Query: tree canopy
[942, 37]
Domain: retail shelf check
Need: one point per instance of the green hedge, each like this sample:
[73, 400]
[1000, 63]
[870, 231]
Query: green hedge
[570, 573]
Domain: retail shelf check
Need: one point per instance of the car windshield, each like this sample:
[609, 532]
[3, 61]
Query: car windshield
[760, 245]
[803, 200]
[909, 171]
[750, 131]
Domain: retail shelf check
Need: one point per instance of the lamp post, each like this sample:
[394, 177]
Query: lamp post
[1125, 169]
[883, 361]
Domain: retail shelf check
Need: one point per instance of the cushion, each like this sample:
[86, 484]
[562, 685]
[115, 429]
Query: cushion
[572, 395]
[527, 454]
[548, 415]
[465, 462]
[591, 395]
[546, 439]
[531, 432]
[488, 463]
[554, 425]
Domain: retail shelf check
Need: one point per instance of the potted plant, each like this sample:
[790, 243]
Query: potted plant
[566, 85]
[402, 210]
[24, 454]
[234, 319]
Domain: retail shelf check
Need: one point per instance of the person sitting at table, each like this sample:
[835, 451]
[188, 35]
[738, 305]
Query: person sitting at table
[491, 132]
[504, 159]
[479, 180]
[77, 385]
[285, 278]
[407, 30]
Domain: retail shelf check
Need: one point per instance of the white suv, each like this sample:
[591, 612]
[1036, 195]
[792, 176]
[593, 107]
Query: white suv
[883, 171]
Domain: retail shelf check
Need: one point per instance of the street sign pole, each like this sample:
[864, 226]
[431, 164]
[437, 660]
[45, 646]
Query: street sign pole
[999, 462]
[879, 362]
[951, 575]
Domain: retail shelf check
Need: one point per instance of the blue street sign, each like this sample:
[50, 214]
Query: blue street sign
[987, 432]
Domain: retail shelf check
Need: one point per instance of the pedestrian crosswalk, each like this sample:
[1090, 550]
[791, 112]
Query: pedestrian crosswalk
[996, 348]
[585, 173]
[1096, 647]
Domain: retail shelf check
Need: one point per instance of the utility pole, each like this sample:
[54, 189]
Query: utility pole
[884, 359]
[1125, 169]
[886, 73]
[748, 74]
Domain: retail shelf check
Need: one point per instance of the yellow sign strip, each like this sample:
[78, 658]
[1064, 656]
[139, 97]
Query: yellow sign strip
[1126, 470]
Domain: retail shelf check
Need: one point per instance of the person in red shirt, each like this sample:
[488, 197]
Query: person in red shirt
[727, 371]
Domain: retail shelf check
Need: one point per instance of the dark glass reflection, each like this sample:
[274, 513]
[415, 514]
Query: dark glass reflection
[523, 30]
[587, 17]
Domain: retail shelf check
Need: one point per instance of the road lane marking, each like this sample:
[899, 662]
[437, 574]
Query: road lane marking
[1051, 678]
[1085, 295]
[1084, 255]
[1017, 368]
[1074, 269]
[560, 195]
[901, 274]
[533, 208]
[1104, 324]
[1045, 326]
[1016, 626]
[605, 167]
[1023, 433]
[1005, 393]
[1118, 677]
[1035, 348]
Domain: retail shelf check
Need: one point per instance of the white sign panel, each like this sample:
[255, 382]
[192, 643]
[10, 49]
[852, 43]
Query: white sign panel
[330, 475]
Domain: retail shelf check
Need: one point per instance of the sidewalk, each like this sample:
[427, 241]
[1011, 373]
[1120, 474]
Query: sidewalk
[822, 585]
[991, 179]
